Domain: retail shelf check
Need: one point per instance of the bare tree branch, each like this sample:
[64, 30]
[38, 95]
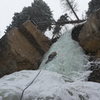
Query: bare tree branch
[72, 9]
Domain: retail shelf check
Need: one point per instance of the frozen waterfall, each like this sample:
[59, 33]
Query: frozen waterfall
[63, 78]
[70, 59]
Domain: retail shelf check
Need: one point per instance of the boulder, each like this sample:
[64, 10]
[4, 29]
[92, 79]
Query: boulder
[89, 37]
[22, 48]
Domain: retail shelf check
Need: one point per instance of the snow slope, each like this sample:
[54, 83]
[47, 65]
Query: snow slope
[48, 86]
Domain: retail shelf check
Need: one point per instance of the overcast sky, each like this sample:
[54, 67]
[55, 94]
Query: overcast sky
[8, 7]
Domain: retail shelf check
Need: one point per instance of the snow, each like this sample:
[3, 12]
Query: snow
[48, 86]
[63, 78]
[48, 33]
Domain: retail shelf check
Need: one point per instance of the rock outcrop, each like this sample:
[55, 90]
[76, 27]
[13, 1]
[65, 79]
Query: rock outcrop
[76, 31]
[95, 74]
[22, 48]
[89, 37]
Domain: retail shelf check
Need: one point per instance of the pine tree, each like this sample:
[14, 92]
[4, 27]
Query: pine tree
[39, 13]
[93, 6]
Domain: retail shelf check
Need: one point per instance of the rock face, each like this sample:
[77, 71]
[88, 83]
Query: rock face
[22, 48]
[95, 68]
[89, 37]
[95, 76]
[76, 31]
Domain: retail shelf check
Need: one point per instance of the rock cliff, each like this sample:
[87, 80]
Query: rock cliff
[22, 48]
[89, 36]
[89, 39]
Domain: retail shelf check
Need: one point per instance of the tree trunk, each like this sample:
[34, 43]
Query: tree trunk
[72, 9]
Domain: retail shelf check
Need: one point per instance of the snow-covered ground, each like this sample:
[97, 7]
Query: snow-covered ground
[63, 78]
[48, 86]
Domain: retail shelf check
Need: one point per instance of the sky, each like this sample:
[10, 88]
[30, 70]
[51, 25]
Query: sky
[9, 7]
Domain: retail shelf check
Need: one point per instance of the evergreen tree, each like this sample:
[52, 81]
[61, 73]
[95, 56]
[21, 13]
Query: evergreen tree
[58, 26]
[39, 13]
[93, 6]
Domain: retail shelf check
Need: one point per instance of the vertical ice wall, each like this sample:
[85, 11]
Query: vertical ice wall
[70, 59]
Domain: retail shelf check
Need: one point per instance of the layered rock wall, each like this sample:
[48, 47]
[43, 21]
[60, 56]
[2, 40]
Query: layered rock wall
[22, 48]
[89, 37]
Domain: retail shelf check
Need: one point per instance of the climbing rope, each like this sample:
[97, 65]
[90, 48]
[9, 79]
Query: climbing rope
[22, 94]
[21, 98]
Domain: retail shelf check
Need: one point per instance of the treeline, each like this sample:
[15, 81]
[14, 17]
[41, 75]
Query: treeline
[93, 6]
[39, 13]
